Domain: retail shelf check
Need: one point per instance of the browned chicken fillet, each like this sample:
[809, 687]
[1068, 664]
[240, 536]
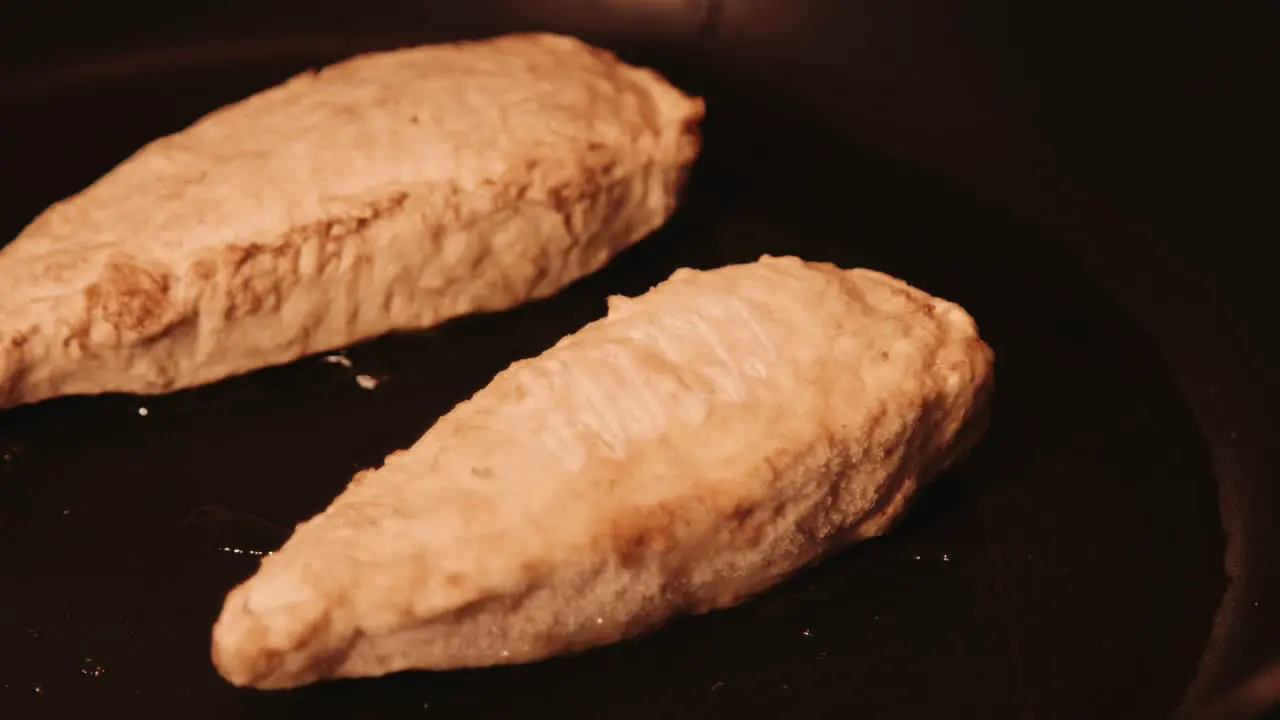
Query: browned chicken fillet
[697, 445]
[389, 192]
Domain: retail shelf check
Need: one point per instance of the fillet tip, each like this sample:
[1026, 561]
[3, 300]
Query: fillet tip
[272, 635]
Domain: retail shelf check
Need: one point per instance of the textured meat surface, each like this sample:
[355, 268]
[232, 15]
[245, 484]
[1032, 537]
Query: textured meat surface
[693, 447]
[388, 192]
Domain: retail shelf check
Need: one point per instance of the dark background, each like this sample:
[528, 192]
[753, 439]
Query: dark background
[1142, 140]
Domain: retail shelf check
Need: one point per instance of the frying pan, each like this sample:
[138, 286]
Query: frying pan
[1089, 183]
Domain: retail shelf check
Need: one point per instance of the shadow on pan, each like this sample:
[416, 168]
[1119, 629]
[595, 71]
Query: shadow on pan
[1070, 568]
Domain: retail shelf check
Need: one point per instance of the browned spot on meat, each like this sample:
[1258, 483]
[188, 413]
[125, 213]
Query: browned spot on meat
[133, 298]
[565, 196]
[741, 513]
[748, 521]
[535, 568]
[204, 270]
[18, 338]
[632, 548]
[648, 531]
[454, 580]
[260, 275]
[263, 275]
[12, 366]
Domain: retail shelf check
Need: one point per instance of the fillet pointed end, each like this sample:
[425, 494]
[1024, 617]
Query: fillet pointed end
[274, 632]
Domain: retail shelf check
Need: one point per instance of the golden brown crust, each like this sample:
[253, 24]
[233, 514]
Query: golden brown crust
[132, 299]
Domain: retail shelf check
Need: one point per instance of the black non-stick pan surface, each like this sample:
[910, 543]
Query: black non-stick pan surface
[1076, 566]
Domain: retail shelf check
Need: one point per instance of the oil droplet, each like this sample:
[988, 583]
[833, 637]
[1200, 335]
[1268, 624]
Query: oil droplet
[91, 668]
[143, 412]
[245, 551]
[336, 359]
[717, 685]
[946, 557]
[232, 531]
[38, 690]
[368, 382]
[806, 632]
